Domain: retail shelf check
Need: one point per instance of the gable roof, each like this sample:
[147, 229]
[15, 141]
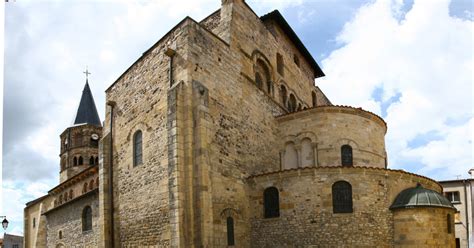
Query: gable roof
[87, 112]
[278, 18]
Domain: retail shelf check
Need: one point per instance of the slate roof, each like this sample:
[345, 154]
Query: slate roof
[420, 197]
[278, 18]
[87, 112]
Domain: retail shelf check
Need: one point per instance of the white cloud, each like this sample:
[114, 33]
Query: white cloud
[427, 58]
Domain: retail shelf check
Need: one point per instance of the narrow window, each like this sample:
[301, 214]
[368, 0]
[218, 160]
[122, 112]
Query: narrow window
[449, 222]
[60, 234]
[91, 184]
[271, 202]
[34, 222]
[258, 80]
[97, 182]
[313, 97]
[87, 219]
[65, 197]
[458, 243]
[60, 199]
[296, 60]
[137, 148]
[292, 103]
[91, 160]
[269, 87]
[230, 231]
[71, 194]
[346, 155]
[74, 161]
[342, 197]
[96, 160]
[280, 64]
[283, 94]
[84, 189]
[81, 161]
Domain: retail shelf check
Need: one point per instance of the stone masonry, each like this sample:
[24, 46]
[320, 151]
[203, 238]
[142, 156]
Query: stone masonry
[225, 109]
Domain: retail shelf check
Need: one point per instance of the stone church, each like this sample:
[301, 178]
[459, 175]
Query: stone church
[218, 136]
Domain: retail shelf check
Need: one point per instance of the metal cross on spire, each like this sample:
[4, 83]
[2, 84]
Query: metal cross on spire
[87, 73]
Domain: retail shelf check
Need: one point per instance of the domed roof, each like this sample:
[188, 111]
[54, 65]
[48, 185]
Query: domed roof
[420, 197]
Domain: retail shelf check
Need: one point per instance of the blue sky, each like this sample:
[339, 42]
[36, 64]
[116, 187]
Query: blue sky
[407, 61]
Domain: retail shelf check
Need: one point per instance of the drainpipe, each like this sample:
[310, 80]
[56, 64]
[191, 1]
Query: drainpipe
[467, 213]
[469, 237]
[111, 176]
[170, 53]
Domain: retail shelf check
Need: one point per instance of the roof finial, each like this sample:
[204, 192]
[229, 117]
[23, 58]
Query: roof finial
[87, 74]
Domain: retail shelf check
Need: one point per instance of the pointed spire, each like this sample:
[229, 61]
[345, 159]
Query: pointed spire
[87, 112]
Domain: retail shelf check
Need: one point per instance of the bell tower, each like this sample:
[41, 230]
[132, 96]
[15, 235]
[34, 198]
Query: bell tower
[80, 141]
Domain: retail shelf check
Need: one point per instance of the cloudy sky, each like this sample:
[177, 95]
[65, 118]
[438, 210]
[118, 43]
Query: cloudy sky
[408, 61]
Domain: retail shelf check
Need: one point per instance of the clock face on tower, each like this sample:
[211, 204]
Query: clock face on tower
[95, 136]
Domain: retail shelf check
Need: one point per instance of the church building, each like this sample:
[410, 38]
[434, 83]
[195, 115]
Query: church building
[219, 136]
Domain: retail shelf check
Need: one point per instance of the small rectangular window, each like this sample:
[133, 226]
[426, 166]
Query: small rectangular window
[280, 65]
[296, 60]
[453, 196]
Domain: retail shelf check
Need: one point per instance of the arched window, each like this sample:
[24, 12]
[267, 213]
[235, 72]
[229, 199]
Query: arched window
[96, 160]
[262, 76]
[292, 103]
[74, 161]
[71, 194]
[84, 188]
[291, 157]
[342, 197]
[60, 234]
[448, 220]
[91, 184]
[91, 160]
[271, 202]
[65, 197]
[230, 231]
[81, 161]
[346, 155]
[60, 199]
[137, 148]
[283, 94]
[313, 96]
[307, 154]
[87, 219]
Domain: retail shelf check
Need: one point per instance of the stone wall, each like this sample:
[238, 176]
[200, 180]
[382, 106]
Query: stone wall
[35, 235]
[423, 227]
[306, 209]
[330, 127]
[68, 220]
[142, 193]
